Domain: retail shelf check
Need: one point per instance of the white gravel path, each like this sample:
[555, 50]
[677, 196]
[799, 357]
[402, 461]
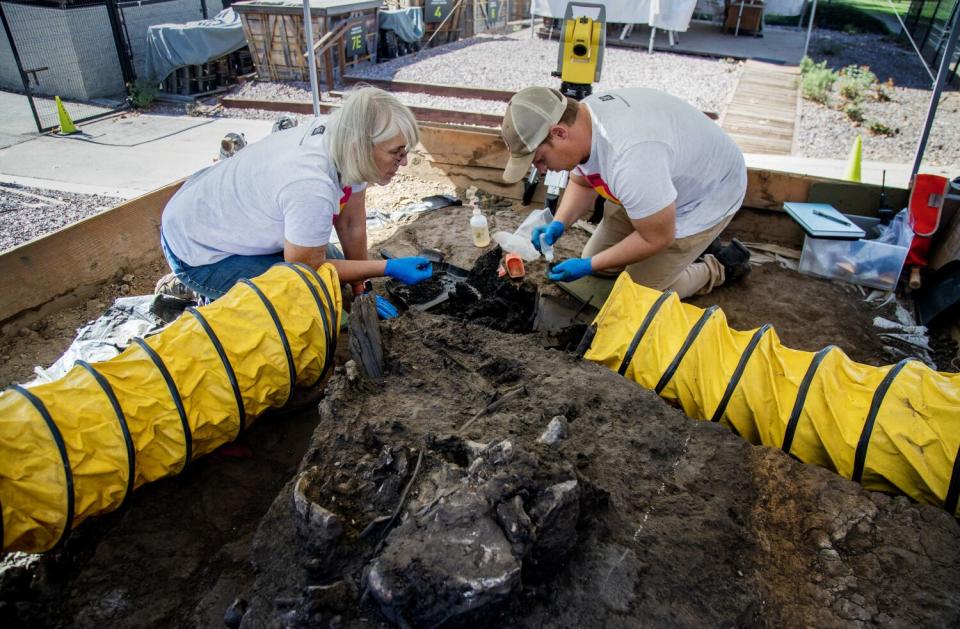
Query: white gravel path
[512, 62]
[28, 213]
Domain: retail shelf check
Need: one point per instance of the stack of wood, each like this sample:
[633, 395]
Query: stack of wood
[210, 77]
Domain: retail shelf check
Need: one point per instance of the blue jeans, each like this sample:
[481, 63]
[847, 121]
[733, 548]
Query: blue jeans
[214, 280]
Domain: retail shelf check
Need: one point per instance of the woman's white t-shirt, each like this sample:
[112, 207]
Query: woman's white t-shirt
[650, 149]
[282, 188]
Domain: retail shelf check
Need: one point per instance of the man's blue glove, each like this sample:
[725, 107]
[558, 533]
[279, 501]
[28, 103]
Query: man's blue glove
[385, 309]
[569, 270]
[409, 270]
[553, 232]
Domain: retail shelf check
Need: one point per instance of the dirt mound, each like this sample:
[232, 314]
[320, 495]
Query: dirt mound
[426, 498]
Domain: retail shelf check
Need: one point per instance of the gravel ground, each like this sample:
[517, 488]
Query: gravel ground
[512, 62]
[826, 132]
[28, 213]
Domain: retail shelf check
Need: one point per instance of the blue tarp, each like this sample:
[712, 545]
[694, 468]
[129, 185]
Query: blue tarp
[172, 46]
[406, 23]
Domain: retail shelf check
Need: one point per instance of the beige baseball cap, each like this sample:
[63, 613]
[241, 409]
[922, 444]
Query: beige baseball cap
[530, 114]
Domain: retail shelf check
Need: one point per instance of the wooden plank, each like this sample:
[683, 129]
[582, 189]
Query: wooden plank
[85, 253]
[435, 89]
[421, 113]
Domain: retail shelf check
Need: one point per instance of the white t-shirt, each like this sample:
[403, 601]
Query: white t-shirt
[650, 149]
[284, 187]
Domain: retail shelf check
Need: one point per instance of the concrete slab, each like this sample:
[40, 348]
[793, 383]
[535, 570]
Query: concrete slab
[18, 125]
[777, 44]
[124, 156]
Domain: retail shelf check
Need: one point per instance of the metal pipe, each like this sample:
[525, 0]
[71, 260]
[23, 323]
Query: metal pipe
[937, 89]
[311, 57]
[813, 12]
[23, 75]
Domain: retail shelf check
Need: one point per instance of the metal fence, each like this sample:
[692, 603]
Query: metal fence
[87, 52]
[929, 22]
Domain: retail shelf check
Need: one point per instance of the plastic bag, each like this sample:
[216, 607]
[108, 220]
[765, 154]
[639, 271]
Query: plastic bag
[519, 241]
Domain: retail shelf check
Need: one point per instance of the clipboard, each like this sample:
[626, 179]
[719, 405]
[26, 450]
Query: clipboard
[821, 220]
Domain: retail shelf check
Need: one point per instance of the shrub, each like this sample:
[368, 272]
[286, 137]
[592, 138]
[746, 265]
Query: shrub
[881, 91]
[853, 112]
[878, 128]
[854, 81]
[817, 80]
[142, 93]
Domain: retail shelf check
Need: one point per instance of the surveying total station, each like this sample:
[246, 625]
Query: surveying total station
[579, 60]
[580, 56]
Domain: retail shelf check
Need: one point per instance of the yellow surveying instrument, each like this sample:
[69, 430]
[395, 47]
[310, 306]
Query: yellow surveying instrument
[579, 61]
[581, 49]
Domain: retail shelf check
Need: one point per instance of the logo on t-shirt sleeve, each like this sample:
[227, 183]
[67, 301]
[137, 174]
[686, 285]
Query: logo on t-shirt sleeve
[347, 193]
[598, 184]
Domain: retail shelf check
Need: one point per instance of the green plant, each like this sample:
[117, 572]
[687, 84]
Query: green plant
[881, 91]
[142, 93]
[817, 80]
[878, 128]
[853, 112]
[854, 81]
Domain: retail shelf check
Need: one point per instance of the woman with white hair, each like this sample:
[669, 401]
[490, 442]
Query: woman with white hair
[280, 198]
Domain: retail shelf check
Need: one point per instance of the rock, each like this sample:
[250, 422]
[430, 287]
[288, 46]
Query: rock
[557, 430]
[555, 514]
[234, 614]
[452, 561]
[352, 371]
[124, 289]
[317, 526]
[128, 278]
[24, 332]
[335, 596]
[516, 524]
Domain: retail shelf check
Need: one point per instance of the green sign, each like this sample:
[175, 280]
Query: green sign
[493, 10]
[356, 41]
[436, 11]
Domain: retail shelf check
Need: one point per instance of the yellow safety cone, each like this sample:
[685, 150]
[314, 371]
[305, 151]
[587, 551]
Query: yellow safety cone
[66, 125]
[853, 162]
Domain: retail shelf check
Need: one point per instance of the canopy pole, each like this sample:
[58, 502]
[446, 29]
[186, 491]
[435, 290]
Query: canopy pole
[806, 44]
[948, 51]
[311, 57]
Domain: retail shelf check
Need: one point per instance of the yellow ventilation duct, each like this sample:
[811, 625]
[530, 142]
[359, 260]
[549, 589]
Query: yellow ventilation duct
[79, 446]
[893, 429]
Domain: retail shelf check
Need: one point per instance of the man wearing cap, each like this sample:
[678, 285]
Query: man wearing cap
[672, 180]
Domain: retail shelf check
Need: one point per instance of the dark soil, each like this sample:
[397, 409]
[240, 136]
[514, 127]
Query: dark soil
[640, 517]
[673, 522]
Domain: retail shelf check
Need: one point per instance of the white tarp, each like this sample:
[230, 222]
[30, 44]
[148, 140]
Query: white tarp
[673, 15]
[784, 7]
[172, 46]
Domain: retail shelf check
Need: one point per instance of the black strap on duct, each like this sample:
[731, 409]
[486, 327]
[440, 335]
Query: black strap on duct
[124, 428]
[791, 429]
[738, 372]
[691, 337]
[953, 492]
[280, 332]
[175, 396]
[860, 458]
[644, 325]
[327, 334]
[231, 375]
[334, 314]
[65, 460]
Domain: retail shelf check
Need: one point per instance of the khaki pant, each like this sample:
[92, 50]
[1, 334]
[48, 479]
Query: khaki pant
[674, 268]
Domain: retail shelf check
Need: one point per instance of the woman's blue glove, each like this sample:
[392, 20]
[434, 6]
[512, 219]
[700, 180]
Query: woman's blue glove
[409, 270]
[569, 270]
[553, 232]
[385, 309]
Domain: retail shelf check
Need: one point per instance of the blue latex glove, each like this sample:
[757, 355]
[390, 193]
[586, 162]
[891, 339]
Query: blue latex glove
[385, 309]
[409, 270]
[572, 269]
[553, 231]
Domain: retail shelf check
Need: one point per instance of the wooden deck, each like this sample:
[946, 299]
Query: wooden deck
[764, 114]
